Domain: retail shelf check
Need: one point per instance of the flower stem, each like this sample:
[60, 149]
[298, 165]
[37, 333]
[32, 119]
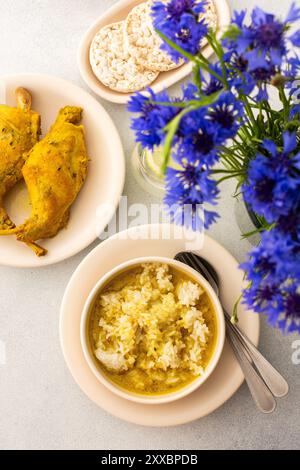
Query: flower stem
[216, 46]
[197, 77]
[285, 102]
[199, 59]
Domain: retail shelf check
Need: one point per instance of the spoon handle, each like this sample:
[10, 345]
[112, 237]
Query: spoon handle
[274, 380]
[261, 395]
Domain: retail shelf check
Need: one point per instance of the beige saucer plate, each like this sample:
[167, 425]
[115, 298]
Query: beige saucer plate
[119, 12]
[106, 173]
[226, 378]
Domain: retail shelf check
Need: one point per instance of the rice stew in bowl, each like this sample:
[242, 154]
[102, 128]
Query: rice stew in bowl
[152, 330]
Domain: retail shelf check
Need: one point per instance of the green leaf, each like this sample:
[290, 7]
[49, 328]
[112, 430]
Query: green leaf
[172, 129]
[253, 232]
[293, 125]
[208, 100]
[232, 32]
[177, 48]
[197, 76]
[174, 104]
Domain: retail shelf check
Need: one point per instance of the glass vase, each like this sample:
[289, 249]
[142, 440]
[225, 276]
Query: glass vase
[247, 220]
[147, 171]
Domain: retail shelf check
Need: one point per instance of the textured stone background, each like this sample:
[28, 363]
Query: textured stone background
[40, 405]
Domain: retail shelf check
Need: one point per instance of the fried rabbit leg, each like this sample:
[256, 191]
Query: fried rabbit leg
[19, 132]
[54, 173]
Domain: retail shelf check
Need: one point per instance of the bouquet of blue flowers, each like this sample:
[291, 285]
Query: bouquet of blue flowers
[224, 126]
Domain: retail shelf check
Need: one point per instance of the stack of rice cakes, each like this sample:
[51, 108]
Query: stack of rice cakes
[127, 56]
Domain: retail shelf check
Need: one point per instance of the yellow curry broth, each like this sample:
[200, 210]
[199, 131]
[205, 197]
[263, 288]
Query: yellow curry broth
[153, 381]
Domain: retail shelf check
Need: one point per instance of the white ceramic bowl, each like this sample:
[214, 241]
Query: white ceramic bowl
[93, 362]
[119, 12]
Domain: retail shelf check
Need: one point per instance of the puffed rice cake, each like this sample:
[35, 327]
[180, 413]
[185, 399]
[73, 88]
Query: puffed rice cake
[113, 65]
[144, 43]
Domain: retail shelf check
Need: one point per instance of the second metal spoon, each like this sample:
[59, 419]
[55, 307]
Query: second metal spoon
[263, 378]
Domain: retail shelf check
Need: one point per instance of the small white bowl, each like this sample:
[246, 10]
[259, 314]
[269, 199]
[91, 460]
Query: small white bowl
[94, 363]
[119, 12]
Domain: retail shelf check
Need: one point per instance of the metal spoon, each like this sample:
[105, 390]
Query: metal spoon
[261, 395]
[274, 380]
[246, 352]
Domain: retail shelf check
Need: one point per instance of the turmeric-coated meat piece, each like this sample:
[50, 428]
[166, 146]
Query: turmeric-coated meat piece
[19, 132]
[54, 173]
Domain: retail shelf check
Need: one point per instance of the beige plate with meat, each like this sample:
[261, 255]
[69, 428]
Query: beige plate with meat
[106, 172]
[153, 241]
[119, 12]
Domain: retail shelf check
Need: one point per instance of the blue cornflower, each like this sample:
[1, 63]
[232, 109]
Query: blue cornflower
[290, 225]
[262, 94]
[261, 296]
[259, 50]
[291, 73]
[190, 91]
[188, 35]
[273, 183]
[152, 118]
[290, 320]
[295, 39]
[239, 77]
[200, 145]
[293, 14]
[236, 61]
[282, 252]
[179, 21]
[281, 307]
[210, 83]
[193, 177]
[185, 210]
[274, 275]
[246, 72]
[199, 139]
[226, 114]
[259, 265]
[173, 10]
[186, 192]
[261, 69]
[265, 35]
[294, 66]
[294, 111]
